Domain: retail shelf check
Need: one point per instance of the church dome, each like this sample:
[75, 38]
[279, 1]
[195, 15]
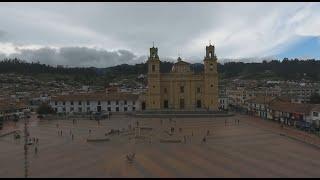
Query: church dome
[181, 66]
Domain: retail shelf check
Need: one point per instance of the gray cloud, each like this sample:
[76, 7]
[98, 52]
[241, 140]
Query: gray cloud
[78, 56]
[3, 35]
[239, 30]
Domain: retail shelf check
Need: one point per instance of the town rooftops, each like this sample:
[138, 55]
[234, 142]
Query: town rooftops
[261, 99]
[7, 105]
[289, 107]
[316, 108]
[96, 97]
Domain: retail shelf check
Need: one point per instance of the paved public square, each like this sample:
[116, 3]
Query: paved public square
[231, 150]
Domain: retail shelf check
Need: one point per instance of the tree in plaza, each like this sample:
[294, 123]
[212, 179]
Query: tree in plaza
[44, 108]
[315, 98]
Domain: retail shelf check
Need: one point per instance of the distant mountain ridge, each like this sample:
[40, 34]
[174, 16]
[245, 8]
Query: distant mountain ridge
[287, 69]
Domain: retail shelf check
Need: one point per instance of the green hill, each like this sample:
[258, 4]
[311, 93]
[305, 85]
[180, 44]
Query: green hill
[274, 70]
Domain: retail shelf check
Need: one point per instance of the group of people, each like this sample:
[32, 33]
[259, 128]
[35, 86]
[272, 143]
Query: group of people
[35, 141]
[236, 121]
[70, 132]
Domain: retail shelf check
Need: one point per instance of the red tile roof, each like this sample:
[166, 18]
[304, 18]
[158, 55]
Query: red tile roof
[289, 107]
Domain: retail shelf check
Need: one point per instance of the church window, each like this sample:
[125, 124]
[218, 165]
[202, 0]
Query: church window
[198, 103]
[182, 89]
[181, 103]
[153, 68]
[165, 104]
[165, 90]
[198, 90]
[211, 85]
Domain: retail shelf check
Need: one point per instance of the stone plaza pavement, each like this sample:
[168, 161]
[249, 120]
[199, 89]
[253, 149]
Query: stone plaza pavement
[251, 148]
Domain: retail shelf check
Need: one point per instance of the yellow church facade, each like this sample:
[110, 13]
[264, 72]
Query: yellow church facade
[182, 89]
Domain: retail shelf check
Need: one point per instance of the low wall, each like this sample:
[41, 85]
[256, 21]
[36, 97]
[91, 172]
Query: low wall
[182, 114]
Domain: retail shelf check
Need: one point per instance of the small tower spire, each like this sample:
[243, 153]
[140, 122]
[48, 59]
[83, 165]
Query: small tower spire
[179, 58]
[209, 42]
[152, 43]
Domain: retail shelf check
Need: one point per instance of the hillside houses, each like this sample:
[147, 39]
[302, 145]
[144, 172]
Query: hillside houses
[284, 111]
[11, 110]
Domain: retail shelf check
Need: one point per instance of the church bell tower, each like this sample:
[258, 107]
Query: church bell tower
[153, 100]
[210, 79]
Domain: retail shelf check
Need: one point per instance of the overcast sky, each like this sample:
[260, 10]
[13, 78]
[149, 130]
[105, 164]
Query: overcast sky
[105, 34]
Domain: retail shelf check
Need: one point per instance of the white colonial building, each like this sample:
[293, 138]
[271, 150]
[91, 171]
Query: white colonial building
[96, 102]
[315, 114]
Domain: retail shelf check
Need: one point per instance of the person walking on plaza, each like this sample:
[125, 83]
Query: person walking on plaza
[208, 132]
[36, 150]
[89, 131]
[204, 139]
[72, 137]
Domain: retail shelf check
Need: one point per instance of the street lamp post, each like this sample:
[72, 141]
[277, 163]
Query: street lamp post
[26, 135]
